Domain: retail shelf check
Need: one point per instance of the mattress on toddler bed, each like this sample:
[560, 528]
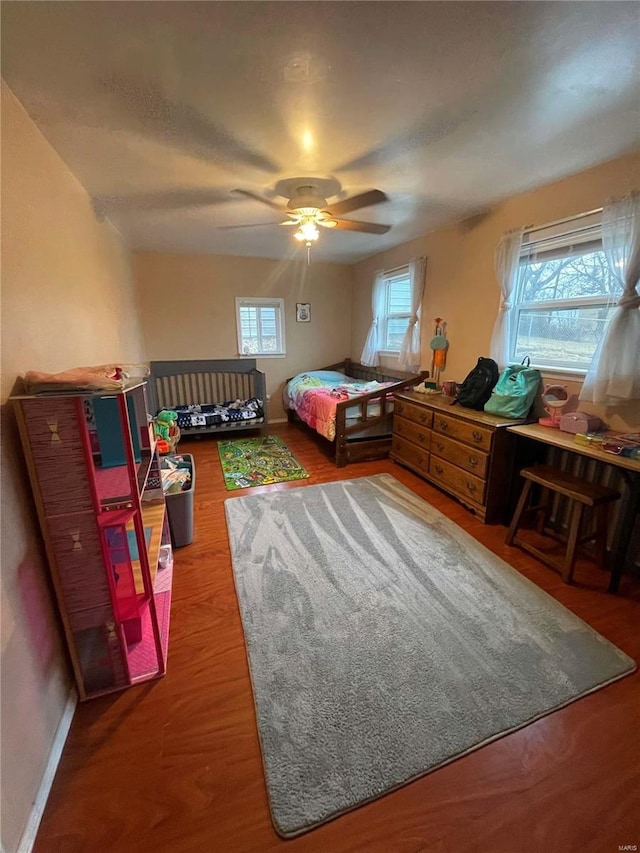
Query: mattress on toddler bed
[217, 414]
[315, 394]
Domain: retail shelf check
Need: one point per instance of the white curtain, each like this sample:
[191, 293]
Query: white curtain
[507, 261]
[409, 358]
[372, 344]
[614, 374]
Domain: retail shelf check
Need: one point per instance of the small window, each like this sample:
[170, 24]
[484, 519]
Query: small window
[260, 324]
[397, 310]
[565, 296]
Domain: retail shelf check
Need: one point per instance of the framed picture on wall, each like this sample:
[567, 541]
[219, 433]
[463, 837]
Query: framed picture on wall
[303, 312]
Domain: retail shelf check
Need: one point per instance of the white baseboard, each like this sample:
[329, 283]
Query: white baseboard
[37, 810]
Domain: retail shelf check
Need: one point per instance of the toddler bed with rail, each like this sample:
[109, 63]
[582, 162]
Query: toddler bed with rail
[350, 405]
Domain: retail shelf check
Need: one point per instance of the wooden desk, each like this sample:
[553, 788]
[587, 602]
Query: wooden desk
[631, 472]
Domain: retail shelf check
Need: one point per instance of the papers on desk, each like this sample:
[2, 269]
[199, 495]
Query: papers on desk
[621, 444]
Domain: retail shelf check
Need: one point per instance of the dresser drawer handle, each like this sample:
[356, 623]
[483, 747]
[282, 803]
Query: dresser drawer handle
[473, 461]
[423, 417]
[439, 469]
[440, 446]
[443, 425]
[477, 436]
[420, 460]
[422, 437]
[471, 487]
[399, 408]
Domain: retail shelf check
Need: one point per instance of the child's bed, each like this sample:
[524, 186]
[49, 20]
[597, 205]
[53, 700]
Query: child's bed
[350, 405]
[212, 395]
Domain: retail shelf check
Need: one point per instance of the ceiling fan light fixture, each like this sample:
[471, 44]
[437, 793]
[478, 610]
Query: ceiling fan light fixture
[307, 232]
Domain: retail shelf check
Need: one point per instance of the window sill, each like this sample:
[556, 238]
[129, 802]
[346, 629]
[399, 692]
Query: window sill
[262, 355]
[563, 373]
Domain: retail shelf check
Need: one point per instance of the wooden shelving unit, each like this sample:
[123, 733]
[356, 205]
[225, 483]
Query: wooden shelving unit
[95, 475]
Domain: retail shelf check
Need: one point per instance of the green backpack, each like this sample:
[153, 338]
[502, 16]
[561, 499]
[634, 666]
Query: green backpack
[515, 391]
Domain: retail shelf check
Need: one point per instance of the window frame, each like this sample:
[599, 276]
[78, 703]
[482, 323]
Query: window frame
[586, 231]
[262, 302]
[402, 274]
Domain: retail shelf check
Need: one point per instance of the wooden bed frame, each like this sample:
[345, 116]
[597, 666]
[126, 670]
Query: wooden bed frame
[370, 436]
[175, 383]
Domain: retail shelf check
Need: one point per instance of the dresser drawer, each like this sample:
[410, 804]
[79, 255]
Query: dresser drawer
[409, 454]
[469, 458]
[463, 430]
[456, 480]
[413, 412]
[412, 431]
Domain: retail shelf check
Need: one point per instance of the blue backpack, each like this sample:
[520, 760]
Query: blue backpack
[515, 391]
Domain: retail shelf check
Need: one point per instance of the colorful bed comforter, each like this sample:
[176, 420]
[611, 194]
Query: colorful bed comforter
[314, 396]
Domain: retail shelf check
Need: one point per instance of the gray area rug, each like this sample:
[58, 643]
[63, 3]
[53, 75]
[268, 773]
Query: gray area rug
[384, 642]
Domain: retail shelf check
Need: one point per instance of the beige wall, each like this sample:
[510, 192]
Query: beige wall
[67, 300]
[461, 285]
[189, 310]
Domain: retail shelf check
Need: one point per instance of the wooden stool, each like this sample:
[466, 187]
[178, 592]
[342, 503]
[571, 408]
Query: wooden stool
[582, 494]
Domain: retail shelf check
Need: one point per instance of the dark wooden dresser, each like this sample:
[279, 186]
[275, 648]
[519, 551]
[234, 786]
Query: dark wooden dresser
[466, 453]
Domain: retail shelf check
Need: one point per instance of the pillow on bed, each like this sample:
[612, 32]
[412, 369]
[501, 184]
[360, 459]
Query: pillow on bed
[311, 379]
[324, 375]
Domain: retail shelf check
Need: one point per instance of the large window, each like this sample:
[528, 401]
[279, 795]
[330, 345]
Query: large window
[397, 310]
[565, 295]
[260, 325]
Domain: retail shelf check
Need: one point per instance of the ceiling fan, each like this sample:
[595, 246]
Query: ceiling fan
[308, 208]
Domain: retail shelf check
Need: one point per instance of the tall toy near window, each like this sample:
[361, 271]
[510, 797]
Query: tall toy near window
[439, 345]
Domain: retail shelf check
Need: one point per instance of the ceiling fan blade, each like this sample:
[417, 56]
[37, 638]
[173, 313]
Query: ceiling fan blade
[262, 199]
[356, 202]
[366, 227]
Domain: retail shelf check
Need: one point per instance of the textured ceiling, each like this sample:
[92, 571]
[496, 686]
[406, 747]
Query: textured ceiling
[162, 109]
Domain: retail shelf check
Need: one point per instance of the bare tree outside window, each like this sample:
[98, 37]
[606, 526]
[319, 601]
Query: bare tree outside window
[564, 301]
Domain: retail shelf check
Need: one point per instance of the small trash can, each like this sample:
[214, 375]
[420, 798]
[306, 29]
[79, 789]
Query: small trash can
[180, 507]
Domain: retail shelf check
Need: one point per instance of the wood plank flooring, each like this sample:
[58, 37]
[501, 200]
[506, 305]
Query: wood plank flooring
[175, 765]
